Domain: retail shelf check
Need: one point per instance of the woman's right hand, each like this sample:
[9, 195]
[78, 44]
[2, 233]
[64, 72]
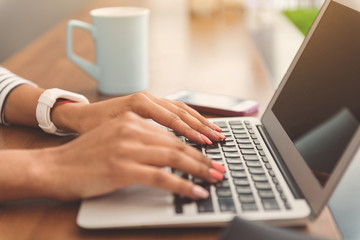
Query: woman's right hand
[125, 151]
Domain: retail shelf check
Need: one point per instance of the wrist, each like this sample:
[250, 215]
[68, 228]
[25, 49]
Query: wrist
[69, 116]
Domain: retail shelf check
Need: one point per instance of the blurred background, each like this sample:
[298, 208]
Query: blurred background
[21, 22]
[277, 26]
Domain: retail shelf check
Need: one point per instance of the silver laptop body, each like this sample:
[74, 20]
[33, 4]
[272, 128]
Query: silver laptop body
[291, 160]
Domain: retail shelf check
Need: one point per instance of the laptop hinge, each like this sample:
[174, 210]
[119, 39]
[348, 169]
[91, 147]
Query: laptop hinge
[280, 163]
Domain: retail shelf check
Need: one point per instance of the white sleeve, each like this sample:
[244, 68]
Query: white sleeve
[8, 82]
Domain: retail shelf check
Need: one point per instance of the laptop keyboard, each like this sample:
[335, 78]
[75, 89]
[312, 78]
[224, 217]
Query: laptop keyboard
[246, 186]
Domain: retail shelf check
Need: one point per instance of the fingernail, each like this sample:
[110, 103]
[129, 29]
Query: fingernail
[217, 128]
[218, 166]
[200, 192]
[216, 174]
[219, 135]
[203, 137]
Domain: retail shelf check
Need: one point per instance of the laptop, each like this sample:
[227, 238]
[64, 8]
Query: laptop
[281, 169]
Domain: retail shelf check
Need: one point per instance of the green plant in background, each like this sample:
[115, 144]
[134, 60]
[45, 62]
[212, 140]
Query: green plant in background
[302, 18]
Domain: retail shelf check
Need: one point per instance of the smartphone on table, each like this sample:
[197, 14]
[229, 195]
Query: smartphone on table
[216, 104]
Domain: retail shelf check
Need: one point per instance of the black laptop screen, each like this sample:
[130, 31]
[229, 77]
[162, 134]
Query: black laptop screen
[319, 107]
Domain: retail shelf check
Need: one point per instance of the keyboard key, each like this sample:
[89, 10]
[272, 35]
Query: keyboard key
[220, 124]
[259, 178]
[236, 122]
[268, 166]
[229, 149]
[243, 190]
[228, 140]
[226, 205]
[266, 194]
[239, 131]
[238, 127]
[251, 131]
[226, 134]
[253, 170]
[279, 189]
[272, 173]
[262, 185]
[202, 183]
[179, 201]
[246, 146]
[178, 209]
[248, 151]
[270, 204]
[234, 160]
[234, 166]
[223, 192]
[253, 136]
[265, 159]
[228, 144]
[241, 136]
[249, 207]
[246, 198]
[244, 141]
[251, 158]
[212, 150]
[238, 174]
[262, 153]
[259, 147]
[231, 155]
[253, 164]
[214, 156]
[275, 181]
[205, 205]
[222, 184]
[257, 142]
[241, 181]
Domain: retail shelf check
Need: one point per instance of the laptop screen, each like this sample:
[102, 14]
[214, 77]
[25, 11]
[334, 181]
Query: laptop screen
[319, 107]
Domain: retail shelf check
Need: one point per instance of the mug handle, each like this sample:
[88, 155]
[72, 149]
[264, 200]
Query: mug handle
[88, 67]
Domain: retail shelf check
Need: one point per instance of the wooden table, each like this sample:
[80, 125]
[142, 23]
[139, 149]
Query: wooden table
[214, 54]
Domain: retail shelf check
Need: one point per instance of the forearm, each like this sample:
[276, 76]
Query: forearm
[22, 175]
[21, 105]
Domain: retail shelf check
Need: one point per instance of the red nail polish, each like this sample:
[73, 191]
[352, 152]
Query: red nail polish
[207, 140]
[219, 135]
[215, 174]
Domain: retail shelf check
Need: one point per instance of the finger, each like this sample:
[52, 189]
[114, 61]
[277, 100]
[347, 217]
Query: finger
[166, 118]
[194, 113]
[142, 133]
[164, 156]
[198, 123]
[155, 177]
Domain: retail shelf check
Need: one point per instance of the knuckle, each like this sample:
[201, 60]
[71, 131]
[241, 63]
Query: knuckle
[188, 131]
[182, 112]
[180, 146]
[174, 157]
[158, 178]
[139, 96]
[182, 105]
[129, 116]
[174, 120]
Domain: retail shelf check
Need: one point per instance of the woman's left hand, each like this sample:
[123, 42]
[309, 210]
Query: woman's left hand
[176, 115]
